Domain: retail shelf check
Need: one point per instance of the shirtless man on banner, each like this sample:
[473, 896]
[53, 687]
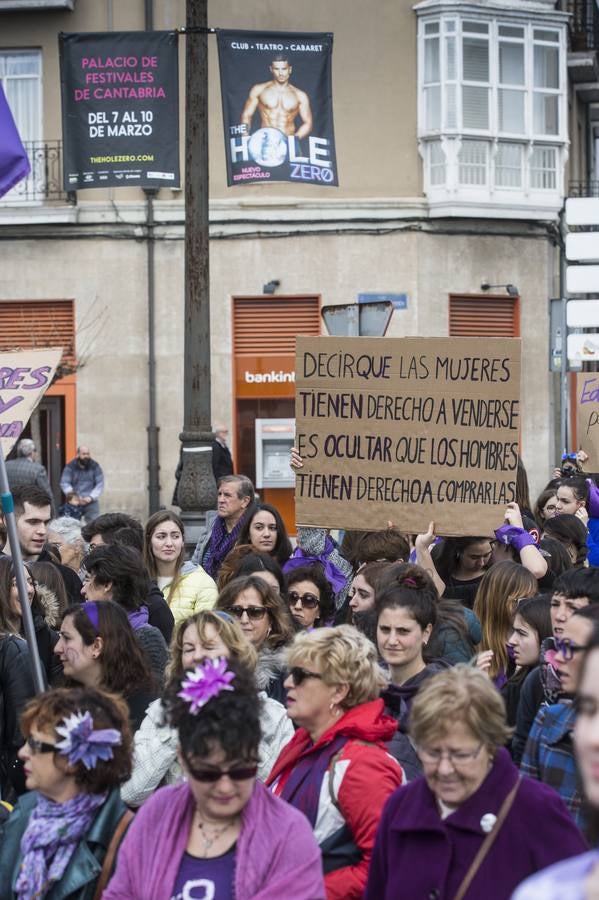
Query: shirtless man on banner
[279, 102]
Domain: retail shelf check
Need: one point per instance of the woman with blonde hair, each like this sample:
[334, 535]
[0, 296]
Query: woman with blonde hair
[470, 827]
[495, 604]
[336, 769]
[208, 635]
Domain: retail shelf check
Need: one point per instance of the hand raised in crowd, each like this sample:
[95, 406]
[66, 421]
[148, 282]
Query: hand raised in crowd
[425, 541]
[513, 516]
[484, 660]
[581, 457]
[582, 514]
[296, 461]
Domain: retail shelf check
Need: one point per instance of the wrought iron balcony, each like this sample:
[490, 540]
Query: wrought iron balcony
[584, 25]
[583, 189]
[44, 182]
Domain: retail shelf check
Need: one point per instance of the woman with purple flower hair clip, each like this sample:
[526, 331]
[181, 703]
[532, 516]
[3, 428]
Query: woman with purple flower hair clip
[61, 837]
[221, 828]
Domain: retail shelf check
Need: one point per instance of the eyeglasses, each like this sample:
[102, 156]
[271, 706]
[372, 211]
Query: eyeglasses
[253, 612]
[40, 746]
[309, 601]
[457, 758]
[567, 648]
[211, 776]
[299, 675]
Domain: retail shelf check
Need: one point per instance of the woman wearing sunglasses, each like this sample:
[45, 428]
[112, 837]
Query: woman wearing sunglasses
[208, 635]
[549, 753]
[220, 830]
[62, 835]
[309, 596]
[265, 622]
[336, 769]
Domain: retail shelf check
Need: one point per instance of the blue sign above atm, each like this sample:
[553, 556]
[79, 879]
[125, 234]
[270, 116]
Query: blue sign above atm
[399, 301]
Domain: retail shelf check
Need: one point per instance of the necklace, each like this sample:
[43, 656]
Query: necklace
[210, 835]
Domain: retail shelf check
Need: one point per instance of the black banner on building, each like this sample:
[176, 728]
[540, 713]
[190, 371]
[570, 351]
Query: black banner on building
[120, 109]
[277, 107]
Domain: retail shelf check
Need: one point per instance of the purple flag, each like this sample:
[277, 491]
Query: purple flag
[14, 164]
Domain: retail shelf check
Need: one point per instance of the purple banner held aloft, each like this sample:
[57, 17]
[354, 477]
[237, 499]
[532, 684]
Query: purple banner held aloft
[14, 164]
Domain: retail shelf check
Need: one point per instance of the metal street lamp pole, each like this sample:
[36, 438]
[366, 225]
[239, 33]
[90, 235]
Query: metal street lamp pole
[197, 488]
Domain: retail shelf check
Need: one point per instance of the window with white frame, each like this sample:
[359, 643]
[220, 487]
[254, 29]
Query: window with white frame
[492, 108]
[21, 80]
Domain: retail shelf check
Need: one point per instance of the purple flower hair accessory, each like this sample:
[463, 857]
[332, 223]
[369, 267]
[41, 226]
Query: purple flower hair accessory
[205, 682]
[82, 744]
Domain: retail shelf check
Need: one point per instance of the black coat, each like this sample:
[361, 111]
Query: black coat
[161, 616]
[72, 582]
[222, 464]
[16, 688]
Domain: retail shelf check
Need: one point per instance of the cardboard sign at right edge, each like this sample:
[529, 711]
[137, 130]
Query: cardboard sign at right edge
[587, 418]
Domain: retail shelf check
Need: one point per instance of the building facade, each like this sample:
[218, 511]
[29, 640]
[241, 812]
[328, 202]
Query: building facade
[459, 125]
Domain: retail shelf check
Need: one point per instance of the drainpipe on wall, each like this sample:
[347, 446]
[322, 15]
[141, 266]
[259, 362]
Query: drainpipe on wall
[152, 429]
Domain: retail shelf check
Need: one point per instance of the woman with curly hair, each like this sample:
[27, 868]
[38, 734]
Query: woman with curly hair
[61, 837]
[220, 829]
[309, 596]
[98, 648]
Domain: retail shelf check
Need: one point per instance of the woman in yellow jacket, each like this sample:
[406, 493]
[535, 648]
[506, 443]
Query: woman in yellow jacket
[187, 588]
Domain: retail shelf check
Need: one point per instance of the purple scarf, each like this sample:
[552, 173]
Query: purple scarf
[51, 837]
[139, 618]
[221, 542]
[302, 788]
[333, 575]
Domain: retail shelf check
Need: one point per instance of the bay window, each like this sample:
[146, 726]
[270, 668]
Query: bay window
[492, 122]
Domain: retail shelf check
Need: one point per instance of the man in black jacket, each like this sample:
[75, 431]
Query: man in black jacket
[222, 463]
[33, 511]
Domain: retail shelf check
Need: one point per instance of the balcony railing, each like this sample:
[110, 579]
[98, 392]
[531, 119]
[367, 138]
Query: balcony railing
[44, 182]
[584, 25]
[583, 189]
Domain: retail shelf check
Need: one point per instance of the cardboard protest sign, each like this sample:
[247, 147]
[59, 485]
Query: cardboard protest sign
[277, 107]
[410, 430]
[25, 375]
[120, 109]
[587, 418]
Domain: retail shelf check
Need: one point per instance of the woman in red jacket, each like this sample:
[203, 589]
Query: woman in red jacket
[336, 769]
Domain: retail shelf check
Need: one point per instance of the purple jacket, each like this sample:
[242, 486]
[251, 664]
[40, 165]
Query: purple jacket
[418, 854]
[277, 855]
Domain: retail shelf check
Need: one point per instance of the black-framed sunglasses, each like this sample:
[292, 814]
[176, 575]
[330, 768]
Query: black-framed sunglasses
[298, 675]
[40, 746]
[211, 776]
[308, 601]
[253, 612]
[567, 648]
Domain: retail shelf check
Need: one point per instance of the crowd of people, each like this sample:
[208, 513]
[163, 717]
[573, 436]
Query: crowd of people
[373, 714]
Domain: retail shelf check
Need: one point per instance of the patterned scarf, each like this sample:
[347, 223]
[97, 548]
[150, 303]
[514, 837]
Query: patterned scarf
[51, 837]
[302, 788]
[221, 542]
